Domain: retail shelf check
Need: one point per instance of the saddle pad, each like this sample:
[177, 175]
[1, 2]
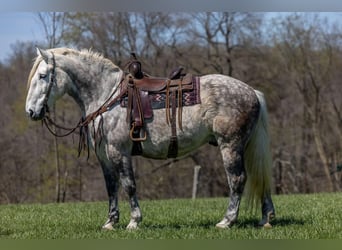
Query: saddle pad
[158, 100]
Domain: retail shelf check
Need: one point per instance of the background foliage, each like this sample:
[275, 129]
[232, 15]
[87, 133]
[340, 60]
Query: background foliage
[294, 59]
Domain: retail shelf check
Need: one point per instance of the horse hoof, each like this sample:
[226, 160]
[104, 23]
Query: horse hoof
[267, 225]
[221, 226]
[224, 224]
[133, 225]
[108, 226]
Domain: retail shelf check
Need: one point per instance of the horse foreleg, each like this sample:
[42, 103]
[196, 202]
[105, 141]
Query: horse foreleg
[111, 176]
[113, 214]
[233, 164]
[128, 183]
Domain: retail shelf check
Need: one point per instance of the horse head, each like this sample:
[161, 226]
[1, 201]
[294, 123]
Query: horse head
[46, 84]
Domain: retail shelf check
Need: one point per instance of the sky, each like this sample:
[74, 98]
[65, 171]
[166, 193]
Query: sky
[18, 26]
[25, 26]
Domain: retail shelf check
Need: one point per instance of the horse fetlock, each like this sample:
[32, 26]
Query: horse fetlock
[265, 221]
[112, 220]
[136, 215]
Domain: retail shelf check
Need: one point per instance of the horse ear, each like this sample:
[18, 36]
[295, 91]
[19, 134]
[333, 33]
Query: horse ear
[44, 54]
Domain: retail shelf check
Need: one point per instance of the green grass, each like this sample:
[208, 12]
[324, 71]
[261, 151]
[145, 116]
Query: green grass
[315, 216]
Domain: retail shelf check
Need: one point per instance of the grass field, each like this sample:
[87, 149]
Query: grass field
[314, 216]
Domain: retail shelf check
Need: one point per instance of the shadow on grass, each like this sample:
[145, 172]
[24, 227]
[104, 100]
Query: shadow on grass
[207, 224]
[279, 222]
[5, 232]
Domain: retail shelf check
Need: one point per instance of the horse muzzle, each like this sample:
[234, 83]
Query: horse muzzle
[36, 116]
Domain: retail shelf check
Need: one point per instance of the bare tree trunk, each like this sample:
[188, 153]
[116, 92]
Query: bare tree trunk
[323, 157]
[80, 181]
[65, 182]
[66, 174]
[40, 172]
[57, 165]
[304, 186]
[336, 174]
[279, 173]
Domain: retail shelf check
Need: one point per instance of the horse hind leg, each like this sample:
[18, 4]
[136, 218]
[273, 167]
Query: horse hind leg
[234, 167]
[268, 212]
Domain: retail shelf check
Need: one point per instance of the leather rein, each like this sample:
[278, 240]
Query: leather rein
[83, 123]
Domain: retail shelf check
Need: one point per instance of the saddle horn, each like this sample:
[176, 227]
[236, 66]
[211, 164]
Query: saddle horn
[133, 56]
[134, 67]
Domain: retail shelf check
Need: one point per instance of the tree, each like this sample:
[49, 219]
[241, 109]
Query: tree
[220, 34]
[307, 50]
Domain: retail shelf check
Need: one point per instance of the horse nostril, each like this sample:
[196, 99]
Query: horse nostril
[31, 113]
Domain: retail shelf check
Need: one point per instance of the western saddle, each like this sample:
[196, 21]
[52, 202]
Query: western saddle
[139, 87]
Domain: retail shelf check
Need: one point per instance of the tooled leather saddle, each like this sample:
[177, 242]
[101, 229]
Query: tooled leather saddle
[145, 93]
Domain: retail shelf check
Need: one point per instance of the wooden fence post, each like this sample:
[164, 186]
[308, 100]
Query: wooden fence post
[195, 182]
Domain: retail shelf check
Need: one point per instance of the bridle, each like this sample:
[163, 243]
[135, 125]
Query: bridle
[52, 81]
[83, 123]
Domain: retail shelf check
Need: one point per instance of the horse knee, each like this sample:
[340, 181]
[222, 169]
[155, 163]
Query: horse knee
[129, 186]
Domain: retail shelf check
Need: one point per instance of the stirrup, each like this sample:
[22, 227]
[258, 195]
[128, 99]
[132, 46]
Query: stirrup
[139, 139]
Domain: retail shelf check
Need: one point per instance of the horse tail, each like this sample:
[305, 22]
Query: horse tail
[257, 158]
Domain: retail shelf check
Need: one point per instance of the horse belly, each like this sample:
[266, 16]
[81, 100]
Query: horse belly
[194, 133]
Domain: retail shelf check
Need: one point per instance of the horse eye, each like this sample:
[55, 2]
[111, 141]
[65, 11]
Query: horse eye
[42, 76]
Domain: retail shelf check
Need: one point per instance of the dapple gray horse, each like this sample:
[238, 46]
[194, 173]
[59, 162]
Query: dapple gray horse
[231, 114]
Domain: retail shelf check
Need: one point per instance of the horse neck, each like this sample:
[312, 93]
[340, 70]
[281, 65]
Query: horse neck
[91, 85]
